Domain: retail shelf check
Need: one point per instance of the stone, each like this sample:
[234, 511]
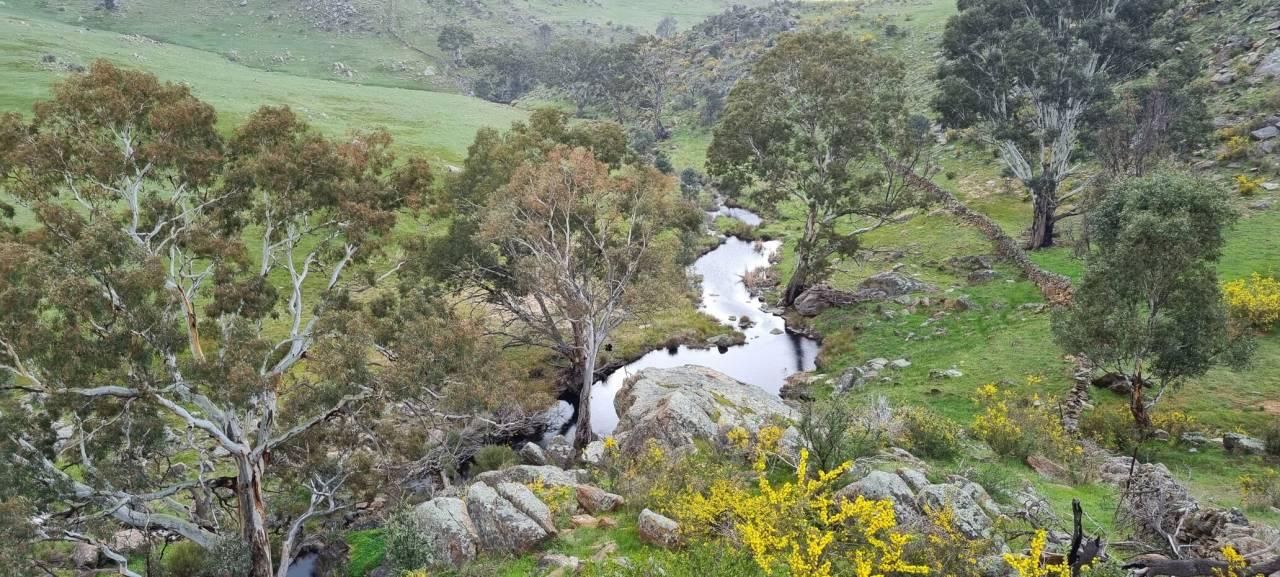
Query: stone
[900, 363]
[970, 518]
[593, 454]
[584, 521]
[914, 478]
[1047, 468]
[1270, 186]
[961, 304]
[1265, 133]
[1270, 66]
[559, 451]
[605, 551]
[1260, 205]
[819, 298]
[84, 555]
[1194, 438]
[526, 474]
[596, 500]
[945, 374]
[725, 341]
[1243, 444]
[559, 562]
[448, 531]
[128, 541]
[982, 276]
[532, 454]
[674, 406]
[970, 263]
[851, 379]
[658, 530]
[878, 485]
[1224, 77]
[499, 524]
[528, 503]
[893, 284]
[878, 363]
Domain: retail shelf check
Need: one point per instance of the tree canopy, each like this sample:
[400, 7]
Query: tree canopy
[809, 125]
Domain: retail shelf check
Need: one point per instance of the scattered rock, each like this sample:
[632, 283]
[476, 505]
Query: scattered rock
[819, 298]
[1265, 133]
[970, 263]
[528, 503]
[593, 454]
[1236, 443]
[559, 564]
[982, 276]
[448, 531]
[1270, 66]
[658, 530]
[879, 485]
[500, 525]
[128, 541]
[893, 284]
[945, 374]
[1260, 205]
[727, 340]
[559, 451]
[584, 521]
[596, 500]
[970, 518]
[84, 555]
[900, 363]
[532, 454]
[1048, 469]
[525, 474]
[914, 478]
[677, 405]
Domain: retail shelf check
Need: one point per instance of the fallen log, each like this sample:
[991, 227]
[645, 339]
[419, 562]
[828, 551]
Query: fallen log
[1056, 288]
[1198, 567]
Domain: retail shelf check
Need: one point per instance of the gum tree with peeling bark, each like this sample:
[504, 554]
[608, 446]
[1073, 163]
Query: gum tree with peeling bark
[1032, 74]
[162, 306]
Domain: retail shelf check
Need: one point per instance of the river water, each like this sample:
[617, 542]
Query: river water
[765, 360]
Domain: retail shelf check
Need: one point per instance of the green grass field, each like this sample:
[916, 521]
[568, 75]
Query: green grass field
[438, 124]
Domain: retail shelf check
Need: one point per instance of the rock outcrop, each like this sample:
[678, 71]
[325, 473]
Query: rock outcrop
[658, 530]
[448, 531]
[500, 525]
[677, 405]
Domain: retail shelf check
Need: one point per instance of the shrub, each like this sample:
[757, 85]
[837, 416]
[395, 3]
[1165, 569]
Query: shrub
[1246, 186]
[929, 434]
[493, 458]
[701, 560]
[1032, 564]
[1112, 427]
[1261, 490]
[835, 432]
[228, 556]
[946, 550]
[1020, 427]
[1235, 147]
[1176, 423]
[1271, 437]
[1255, 300]
[799, 523]
[184, 559]
[407, 547]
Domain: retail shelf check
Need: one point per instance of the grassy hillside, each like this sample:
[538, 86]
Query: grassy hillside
[307, 37]
[440, 124]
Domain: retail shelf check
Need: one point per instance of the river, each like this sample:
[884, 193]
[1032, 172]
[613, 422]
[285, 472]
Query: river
[766, 359]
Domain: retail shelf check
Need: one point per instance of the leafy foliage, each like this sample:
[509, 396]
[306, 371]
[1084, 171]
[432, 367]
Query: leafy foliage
[1149, 304]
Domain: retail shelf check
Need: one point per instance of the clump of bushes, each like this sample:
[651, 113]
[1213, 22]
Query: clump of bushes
[407, 548]
[1016, 427]
[1246, 186]
[1111, 427]
[493, 458]
[926, 433]
[1255, 300]
[1261, 490]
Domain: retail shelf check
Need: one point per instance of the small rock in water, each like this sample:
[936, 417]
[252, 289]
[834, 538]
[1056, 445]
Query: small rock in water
[776, 331]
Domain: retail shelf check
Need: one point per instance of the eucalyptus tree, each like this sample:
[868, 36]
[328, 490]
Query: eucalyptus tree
[810, 126]
[1149, 308]
[179, 308]
[1031, 74]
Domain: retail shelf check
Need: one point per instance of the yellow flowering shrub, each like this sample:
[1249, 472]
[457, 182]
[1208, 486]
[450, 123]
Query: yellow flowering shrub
[1255, 300]
[1020, 427]
[1246, 186]
[945, 549]
[798, 524]
[1237, 565]
[559, 498]
[1262, 490]
[417, 573]
[1030, 565]
[929, 434]
[1234, 147]
[1176, 423]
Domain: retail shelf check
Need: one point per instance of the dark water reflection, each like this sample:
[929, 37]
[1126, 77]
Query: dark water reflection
[303, 566]
[768, 357]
